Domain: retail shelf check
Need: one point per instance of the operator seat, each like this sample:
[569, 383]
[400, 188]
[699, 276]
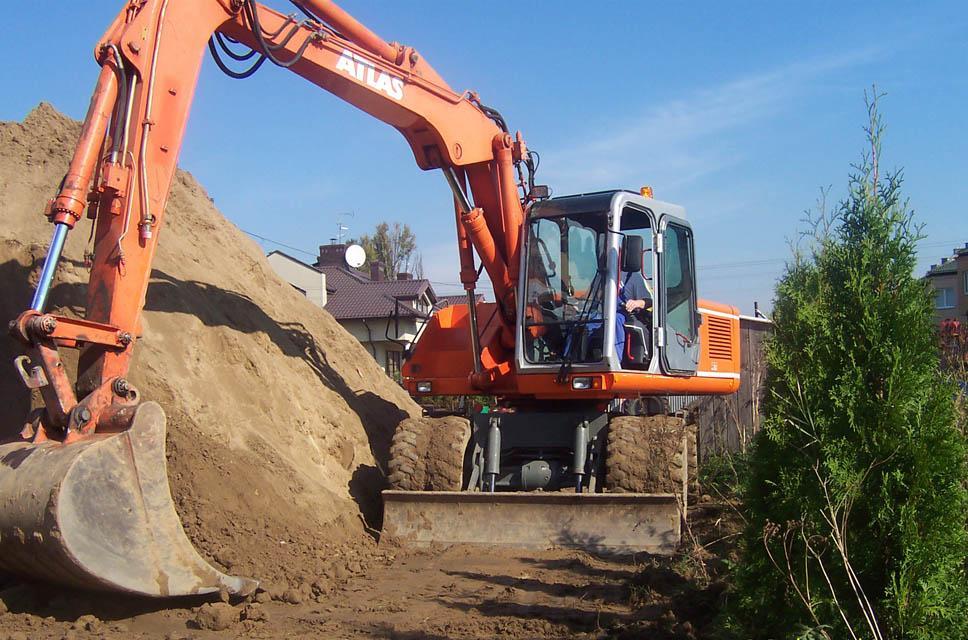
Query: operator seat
[638, 325]
[638, 341]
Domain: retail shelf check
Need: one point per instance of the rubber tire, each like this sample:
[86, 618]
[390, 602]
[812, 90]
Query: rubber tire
[408, 469]
[427, 454]
[644, 454]
[692, 441]
[448, 452]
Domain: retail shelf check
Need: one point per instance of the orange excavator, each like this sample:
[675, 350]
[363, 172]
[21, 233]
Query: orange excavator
[595, 302]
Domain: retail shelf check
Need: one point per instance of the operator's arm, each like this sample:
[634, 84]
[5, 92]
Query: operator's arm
[635, 294]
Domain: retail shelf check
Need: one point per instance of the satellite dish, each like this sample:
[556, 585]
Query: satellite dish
[355, 256]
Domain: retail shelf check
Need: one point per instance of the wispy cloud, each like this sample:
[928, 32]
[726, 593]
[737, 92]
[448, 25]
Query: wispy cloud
[672, 143]
[679, 141]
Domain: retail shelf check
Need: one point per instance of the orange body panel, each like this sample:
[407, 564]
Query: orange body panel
[443, 358]
[719, 337]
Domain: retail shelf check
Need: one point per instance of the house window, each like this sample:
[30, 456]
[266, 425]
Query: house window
[944, 298]
[965, 276]
[393, 364]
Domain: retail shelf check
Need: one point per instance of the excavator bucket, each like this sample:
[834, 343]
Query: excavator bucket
[597, 522]
[97, 514]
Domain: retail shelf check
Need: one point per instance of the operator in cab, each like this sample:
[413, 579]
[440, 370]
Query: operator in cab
[634, 314]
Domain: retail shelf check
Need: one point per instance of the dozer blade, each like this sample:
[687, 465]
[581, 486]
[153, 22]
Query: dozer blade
[597, 522]
[97, 514]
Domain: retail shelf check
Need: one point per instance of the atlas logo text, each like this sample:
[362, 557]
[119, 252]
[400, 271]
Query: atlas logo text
[364, 71]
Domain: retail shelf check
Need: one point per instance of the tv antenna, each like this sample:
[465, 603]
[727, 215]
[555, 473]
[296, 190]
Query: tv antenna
[340, 227]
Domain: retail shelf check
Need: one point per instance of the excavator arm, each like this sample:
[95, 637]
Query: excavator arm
[124, 162]
[86, 491]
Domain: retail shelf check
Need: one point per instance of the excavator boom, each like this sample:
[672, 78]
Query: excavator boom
[84, 497]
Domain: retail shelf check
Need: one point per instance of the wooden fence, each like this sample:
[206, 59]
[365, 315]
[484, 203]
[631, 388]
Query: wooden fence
[728, 423]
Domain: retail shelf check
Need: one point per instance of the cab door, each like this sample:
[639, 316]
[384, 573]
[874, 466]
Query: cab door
[677, 330]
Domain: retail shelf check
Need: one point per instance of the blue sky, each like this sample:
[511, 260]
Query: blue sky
[738, 111]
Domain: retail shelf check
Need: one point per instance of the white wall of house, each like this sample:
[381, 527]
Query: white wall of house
[303, 277]
[370, 332]
[946, 296]
[375, 340]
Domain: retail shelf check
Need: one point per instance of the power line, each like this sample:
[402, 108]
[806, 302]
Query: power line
[770, 261]
[743, 263]
[477, 288]
[281, 244]
[313, 254]
[937, 243]
[703, 267]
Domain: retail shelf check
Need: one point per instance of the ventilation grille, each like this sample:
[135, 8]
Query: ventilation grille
[720, 344]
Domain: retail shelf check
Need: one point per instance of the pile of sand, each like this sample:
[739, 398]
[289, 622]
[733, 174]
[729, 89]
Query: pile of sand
[279, 420]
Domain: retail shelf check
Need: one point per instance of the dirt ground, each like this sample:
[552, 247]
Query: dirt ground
[446, 592]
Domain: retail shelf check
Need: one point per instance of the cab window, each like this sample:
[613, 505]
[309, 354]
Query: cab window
[565, 289]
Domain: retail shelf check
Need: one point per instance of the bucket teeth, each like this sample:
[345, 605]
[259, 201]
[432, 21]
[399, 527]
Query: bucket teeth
[98, 514]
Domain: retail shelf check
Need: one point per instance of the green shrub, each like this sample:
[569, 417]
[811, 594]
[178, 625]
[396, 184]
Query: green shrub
[856, 491]
[721, 475]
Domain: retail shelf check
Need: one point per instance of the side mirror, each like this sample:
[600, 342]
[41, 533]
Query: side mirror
[632, 248]
[540, 192]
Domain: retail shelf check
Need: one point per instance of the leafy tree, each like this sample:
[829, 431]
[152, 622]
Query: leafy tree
[856, 492]
[395, 247]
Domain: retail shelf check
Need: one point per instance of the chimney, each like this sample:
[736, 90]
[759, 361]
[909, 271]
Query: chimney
[376, 271]
[403, 275]
[331, 255]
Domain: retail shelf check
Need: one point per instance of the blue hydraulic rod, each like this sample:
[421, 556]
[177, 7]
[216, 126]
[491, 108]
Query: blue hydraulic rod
[50, 266]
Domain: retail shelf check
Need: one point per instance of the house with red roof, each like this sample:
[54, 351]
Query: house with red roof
[386, 316]
[949, 282]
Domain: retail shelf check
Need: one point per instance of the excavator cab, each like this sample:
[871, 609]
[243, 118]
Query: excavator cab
[606, 310]
[591, 300]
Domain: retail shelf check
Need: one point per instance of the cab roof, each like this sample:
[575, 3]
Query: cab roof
[598, 201]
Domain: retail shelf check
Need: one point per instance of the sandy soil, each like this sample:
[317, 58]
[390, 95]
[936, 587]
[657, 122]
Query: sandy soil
[279, 420]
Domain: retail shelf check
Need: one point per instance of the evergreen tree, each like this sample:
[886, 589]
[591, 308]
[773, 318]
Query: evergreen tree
[856, 494]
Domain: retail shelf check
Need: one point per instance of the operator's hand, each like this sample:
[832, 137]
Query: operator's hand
[635, 305]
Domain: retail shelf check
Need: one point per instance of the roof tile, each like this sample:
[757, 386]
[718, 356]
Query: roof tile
[351, 295]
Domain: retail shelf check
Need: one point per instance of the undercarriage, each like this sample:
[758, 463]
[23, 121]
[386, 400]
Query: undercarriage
[542, 479]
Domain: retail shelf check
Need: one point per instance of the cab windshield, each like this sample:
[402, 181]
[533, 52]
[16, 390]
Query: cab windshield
[565, 288]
